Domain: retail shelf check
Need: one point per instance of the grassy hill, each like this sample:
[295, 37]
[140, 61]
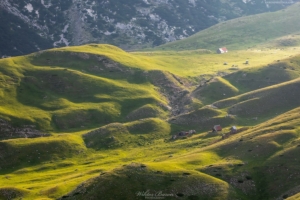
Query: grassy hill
[94, 121]
[76, 83]
[65, 97]
[246, 32]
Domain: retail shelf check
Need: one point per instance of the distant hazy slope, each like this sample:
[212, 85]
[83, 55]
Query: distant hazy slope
[243, 32]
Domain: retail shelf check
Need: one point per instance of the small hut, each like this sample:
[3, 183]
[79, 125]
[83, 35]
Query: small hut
[222, 50]
[216, 128]
[233, 130]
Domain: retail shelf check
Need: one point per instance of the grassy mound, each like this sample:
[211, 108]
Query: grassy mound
[89, 91]
[201, 120]
[283, 42]
[138, 180]
[255, 78]
[217, 89]
[146, 111]
[11, 193]
[137, 133]
[267, 102]
[96, 63]
[18, 153]
[248, 79]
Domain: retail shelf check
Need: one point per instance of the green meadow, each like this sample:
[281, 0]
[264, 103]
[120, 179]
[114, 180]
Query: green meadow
[277, 29]
[104, 119]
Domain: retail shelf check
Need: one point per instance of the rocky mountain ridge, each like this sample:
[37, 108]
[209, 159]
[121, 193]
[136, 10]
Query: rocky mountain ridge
[31, 25]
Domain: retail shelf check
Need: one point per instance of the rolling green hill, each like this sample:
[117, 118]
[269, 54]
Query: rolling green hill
[96, 122]
[103, 108]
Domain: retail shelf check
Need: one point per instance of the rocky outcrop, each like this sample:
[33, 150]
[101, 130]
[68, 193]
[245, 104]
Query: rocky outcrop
[8, 131]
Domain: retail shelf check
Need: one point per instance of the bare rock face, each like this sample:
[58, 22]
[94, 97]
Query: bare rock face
[7, 131]
[40, 24]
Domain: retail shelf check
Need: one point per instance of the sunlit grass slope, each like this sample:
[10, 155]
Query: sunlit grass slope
[245, 32]
[267, 154]
[216, 89]
[136, 178]
[283, 42]
[61, 95]
[137, 133]
[202, 119]
[246, 161]
[266, 102]
[248, 79]
[194, 63]
[71, 87]
[19, 153]
[113, 113]
[249, 96]
[182, 63]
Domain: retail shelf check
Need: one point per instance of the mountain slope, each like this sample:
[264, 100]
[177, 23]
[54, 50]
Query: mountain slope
[17, 38]
[128, 24]
[245, 32]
